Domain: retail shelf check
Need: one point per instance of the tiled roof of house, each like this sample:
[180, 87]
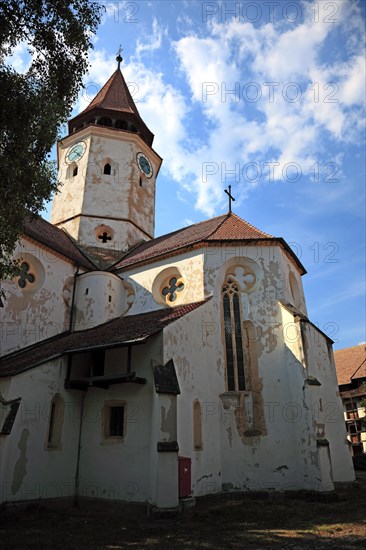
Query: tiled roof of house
[350, 363]
[228, 227]
[56, 239]
[133, 328]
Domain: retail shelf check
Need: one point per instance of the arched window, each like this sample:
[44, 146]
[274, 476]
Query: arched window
[71, 170]
[107, 170]
[121, 124]
[233, 336]
[104, 121]
[197, 425]
[55, 422]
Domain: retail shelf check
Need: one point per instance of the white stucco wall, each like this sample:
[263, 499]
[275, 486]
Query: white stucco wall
[99, 297]
[122, 470]
[42, 309]
[327, 404]
[30, 470]
[285, 456]
[147, 293]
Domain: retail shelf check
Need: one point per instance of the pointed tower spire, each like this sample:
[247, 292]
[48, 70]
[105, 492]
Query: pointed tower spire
[113, 106]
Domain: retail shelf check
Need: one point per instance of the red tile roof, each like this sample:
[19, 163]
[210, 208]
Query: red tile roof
[350, 363]
[133, 328]
[228, 227]
[234, 228]
[56, 239]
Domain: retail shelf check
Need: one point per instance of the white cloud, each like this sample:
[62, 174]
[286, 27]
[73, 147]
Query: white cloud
[294, 129]
[153, 41]
[273, 129]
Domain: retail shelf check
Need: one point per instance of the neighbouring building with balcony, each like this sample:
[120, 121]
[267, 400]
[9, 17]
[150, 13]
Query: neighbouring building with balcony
[351, 372]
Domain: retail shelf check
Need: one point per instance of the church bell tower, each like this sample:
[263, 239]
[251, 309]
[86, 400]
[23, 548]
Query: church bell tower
[107, 171]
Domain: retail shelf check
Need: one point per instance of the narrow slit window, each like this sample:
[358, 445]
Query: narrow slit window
[52, 423]
[116, 421]
[55, 424]
[75, 171]
[197, 426]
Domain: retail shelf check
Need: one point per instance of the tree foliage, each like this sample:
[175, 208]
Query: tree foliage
[34, 104]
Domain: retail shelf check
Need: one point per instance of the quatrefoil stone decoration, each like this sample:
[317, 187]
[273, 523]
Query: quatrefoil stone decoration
[24, 276]
[104, 237]
[170, 292]
[245, 279]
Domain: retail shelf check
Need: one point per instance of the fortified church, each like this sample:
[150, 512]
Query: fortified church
[147, 369]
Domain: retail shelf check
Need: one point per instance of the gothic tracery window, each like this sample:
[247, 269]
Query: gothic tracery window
[233, 336]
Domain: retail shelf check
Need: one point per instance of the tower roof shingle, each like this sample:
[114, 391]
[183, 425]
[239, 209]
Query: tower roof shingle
[114, 98]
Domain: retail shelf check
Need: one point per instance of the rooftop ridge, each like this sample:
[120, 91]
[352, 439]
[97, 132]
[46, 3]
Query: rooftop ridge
[241, 221]
[226, 227]
[55, 238]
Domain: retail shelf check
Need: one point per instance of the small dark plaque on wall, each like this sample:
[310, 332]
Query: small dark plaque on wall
[168, 447]
[165, 378]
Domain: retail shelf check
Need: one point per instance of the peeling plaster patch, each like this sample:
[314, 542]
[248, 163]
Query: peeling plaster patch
[230, 435]
[320, 430]
[167, 424]
[281, 468]
[20, 468]
[219, 365]
[183, 368]
[207, 476]
[314, 458]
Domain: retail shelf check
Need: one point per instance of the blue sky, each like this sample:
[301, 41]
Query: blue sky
[265, 96]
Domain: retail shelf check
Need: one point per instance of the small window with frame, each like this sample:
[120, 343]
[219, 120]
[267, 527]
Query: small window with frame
[114, 421]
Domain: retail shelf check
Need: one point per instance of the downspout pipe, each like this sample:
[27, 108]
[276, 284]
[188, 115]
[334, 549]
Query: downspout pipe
[77, 481]
[71, 328]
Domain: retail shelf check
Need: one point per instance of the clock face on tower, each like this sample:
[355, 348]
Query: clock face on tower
[144, 165]
[75, 152]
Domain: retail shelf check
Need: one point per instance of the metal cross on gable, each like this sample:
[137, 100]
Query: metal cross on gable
[231, 198]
